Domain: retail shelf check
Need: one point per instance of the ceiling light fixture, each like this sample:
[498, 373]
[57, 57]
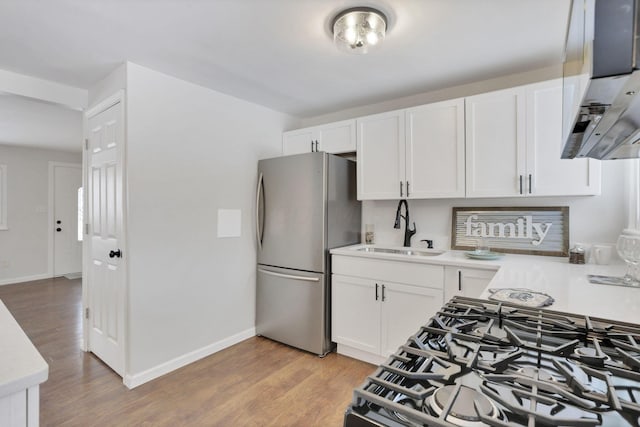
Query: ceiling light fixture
[358, 29]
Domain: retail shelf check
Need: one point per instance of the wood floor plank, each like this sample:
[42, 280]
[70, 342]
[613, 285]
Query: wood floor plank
[257, 382]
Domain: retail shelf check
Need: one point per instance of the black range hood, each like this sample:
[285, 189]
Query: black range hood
[601, 102]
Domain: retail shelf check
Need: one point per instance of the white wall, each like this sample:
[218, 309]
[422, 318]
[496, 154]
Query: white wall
[190, 151]
[435, 96]
[592, 219]
[106, 87]
[24, 246]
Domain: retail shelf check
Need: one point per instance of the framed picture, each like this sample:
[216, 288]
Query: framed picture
[518, 230]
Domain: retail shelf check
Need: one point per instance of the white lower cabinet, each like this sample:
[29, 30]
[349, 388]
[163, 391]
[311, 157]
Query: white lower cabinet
[371, 316]
[468, 282]
[355, 313]
[404, 309]
[21, 409]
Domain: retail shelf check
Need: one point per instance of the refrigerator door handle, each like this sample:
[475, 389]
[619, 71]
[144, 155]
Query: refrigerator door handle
[289, 276]
[258, 230]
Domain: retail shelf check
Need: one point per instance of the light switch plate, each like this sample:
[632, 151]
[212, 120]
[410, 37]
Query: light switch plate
[229, 222]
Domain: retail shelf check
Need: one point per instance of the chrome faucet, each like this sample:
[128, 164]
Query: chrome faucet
[408, 233]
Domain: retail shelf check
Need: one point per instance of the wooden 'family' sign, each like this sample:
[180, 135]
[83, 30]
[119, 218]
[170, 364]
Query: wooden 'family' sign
[520, 230]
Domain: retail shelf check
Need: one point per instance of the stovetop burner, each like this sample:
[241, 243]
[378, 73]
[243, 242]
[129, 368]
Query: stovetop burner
[466, 407]
[486, 363]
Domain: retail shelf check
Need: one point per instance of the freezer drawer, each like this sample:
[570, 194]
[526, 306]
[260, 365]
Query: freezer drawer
[292, 308]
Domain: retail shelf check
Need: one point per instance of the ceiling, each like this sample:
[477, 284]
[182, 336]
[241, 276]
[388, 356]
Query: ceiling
[279, 53]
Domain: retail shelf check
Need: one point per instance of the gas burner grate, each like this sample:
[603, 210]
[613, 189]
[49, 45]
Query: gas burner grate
[534, 407]
[532, 367]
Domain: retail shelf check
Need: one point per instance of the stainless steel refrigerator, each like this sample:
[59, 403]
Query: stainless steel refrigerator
[305, 205]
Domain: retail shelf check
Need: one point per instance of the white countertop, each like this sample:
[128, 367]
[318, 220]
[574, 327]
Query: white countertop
[566, 283]
[21, 366]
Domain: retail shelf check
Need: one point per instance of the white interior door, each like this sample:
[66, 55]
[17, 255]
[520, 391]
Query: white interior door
[67, 249]
[105, 208]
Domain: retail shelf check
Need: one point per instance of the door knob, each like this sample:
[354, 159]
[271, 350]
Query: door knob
[115, 254]
[58, 229]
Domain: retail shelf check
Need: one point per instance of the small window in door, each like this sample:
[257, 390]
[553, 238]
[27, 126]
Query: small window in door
[80, 214]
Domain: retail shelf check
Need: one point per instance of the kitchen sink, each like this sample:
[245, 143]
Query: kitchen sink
[408, 251]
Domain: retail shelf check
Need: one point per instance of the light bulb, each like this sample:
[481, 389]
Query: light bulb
[350, 35]
[372, 37]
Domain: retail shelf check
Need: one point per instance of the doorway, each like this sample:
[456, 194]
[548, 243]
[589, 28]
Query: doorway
[65, 180]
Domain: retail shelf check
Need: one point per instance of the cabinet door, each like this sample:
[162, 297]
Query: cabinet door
[495, 140]
[381, 156]
[547, 173]
[298, 141]
[435, 150]
[468, 282]
[337, 137]
[355, 313]
[404, 309]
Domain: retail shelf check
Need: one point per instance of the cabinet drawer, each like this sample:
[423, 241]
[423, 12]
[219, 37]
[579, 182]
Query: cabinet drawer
[411, 273]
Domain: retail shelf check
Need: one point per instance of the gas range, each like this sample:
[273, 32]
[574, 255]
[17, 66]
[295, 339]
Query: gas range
[486, 363]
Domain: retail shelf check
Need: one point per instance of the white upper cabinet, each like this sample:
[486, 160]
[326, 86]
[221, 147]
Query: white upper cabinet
[414, 154]
[495, 131]
[505, 143]
[339, 137]
[435, 150]
[514, 142]
[381, 156]
[547, 173]
[298, 141]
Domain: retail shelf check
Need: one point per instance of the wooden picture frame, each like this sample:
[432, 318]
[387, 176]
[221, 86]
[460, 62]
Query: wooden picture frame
[538, 230]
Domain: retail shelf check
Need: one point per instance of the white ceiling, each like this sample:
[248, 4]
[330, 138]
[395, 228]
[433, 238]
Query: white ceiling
[279, 53]
[33, 123]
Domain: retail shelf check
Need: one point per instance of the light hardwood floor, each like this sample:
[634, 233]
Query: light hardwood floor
[257, 382]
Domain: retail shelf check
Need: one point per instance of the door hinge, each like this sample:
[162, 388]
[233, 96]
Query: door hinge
[86, 143]
[86, 312]
[86, 229]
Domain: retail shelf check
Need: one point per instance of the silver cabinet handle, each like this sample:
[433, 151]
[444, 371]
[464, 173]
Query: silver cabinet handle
[376, 292]
[529, 183]
[258, 191]
[459, 280]
[520, 184]
[400, 188]
[289, 276]
[383, 298]
[407, 188]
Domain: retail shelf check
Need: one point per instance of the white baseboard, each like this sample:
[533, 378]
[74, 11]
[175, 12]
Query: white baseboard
[365, 356]
[23, 279]
[132, 381]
